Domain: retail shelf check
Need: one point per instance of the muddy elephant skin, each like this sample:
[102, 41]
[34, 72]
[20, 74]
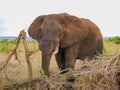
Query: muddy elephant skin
[68, 37]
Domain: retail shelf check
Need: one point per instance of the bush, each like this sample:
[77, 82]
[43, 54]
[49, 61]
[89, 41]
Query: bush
[6, 46]
[105, 51]
[115, 40]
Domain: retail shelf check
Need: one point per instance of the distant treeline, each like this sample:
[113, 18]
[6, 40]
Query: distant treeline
[115, 40]
[28, 38]
[6, 45]
[13, 38]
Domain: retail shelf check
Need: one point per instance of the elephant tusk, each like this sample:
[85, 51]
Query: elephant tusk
[56, 50]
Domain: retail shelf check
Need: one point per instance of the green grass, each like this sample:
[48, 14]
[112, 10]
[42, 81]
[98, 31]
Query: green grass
[6, 46]
[111, 45]
[115, 40]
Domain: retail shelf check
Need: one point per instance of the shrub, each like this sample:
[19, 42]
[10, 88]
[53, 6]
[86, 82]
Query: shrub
[12, 41]
[6, 46]
[105, 51]
[115, 40]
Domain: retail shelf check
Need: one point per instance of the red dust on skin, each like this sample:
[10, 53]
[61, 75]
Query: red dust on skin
[75, 37]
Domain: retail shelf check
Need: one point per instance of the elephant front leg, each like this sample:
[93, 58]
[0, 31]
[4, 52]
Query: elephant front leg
[71, 54]
[60, 59]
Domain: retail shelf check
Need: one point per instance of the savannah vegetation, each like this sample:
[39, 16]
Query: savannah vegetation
[111, 45]
[88, 74]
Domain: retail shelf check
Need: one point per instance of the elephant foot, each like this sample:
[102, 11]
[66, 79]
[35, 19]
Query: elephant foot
[69, 75]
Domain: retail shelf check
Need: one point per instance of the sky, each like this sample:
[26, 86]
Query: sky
[16, 15]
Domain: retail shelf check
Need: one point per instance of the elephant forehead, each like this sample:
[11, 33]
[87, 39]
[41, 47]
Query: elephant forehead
[49, 22]
[45, 40]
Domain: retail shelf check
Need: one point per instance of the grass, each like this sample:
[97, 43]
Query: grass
[6, 46]
[115, 40]
[111, 48]
[90, 74]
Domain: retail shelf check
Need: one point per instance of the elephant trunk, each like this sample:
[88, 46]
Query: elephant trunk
[48, 48]
[45, 62]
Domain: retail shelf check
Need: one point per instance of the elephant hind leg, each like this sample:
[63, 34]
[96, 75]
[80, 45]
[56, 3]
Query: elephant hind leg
[99, 48]
[60, 59]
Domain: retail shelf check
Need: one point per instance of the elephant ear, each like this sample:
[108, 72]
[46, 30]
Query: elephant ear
[75, 31]
[35, 28]
[66, 40]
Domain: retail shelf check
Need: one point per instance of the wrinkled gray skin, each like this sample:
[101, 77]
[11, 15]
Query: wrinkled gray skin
[68, 37]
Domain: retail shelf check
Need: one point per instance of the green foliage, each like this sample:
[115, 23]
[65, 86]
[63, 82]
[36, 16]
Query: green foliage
[6, 46]
[12, 41]
[105, 51]
[41, 70]
[43, 73]
[115, 40]
[32, 41]
[82, 80]
[78, 78]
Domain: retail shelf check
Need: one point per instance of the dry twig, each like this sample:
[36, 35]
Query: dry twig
[14, 52]
[27, 56]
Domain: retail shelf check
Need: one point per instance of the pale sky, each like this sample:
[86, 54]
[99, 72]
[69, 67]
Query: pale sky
[16, 15]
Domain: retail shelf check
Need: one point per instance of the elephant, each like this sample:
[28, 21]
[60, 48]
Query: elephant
[67, 37]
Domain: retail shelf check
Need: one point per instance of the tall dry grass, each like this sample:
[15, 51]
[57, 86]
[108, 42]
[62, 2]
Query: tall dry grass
[100, 74]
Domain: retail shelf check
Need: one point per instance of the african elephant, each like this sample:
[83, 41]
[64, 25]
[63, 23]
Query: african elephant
[68, 37]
